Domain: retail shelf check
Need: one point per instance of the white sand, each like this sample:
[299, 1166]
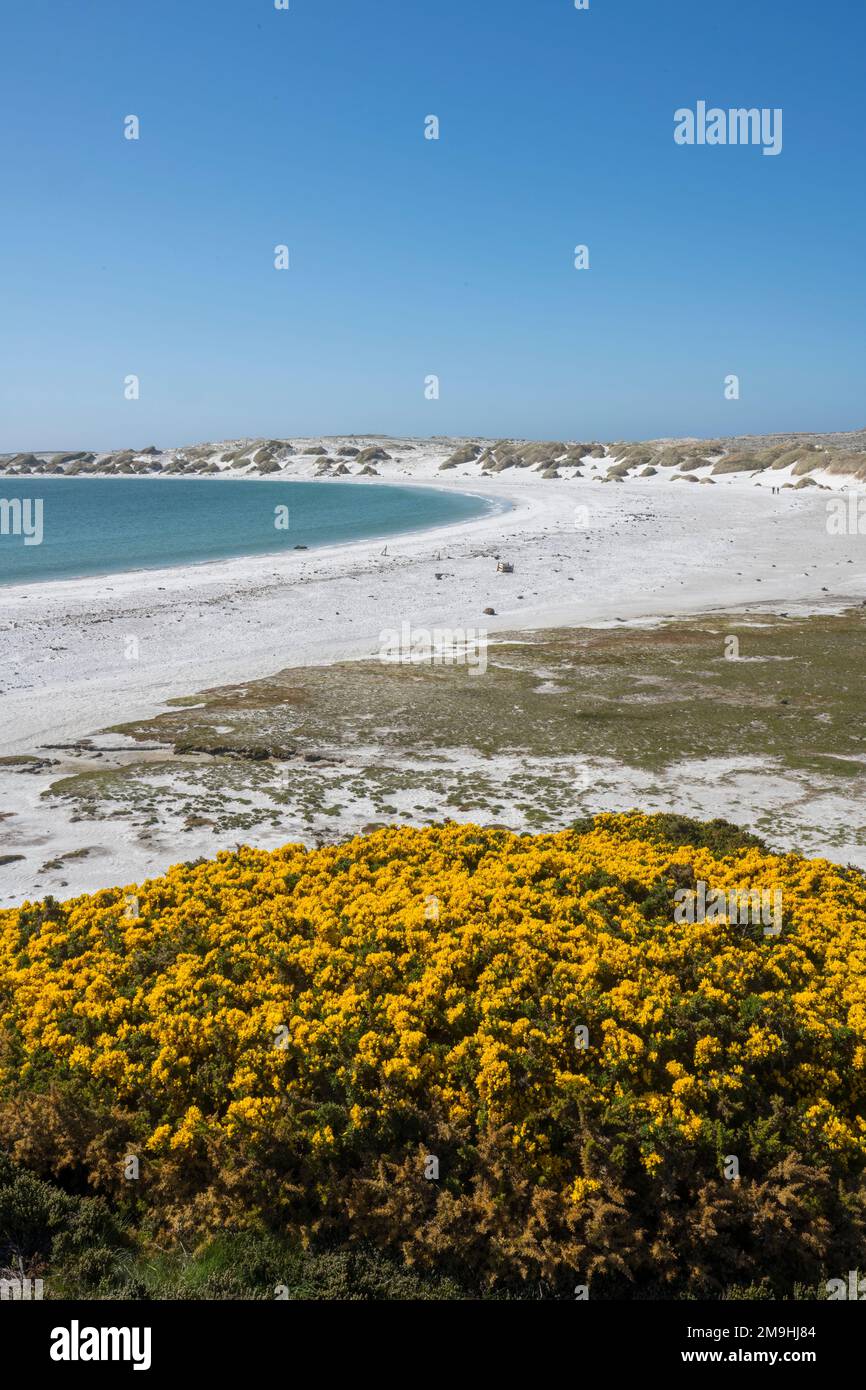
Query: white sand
[651, 547]
[640, 550]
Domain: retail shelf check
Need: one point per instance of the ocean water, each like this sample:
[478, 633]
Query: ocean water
[60, 528]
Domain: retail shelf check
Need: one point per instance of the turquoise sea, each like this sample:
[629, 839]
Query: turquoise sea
[59, 528]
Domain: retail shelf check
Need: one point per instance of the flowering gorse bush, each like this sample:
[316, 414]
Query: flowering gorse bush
[282, 1038]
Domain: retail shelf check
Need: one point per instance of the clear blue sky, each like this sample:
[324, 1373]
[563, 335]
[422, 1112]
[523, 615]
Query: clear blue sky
[412, 257]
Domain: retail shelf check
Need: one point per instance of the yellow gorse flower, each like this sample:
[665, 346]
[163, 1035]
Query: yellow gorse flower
[312, 994]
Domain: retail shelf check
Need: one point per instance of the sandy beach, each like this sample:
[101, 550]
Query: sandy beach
[585, 553]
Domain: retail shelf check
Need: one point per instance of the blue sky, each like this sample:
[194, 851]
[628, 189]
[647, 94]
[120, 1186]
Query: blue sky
[412, 257]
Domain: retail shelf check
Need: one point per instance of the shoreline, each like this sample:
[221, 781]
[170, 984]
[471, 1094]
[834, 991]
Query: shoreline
[490, 509]
[73, 678]
[212, 581]
[585, 554]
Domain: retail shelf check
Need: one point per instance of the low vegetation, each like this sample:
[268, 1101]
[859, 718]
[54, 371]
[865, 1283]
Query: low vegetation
[443, 1063]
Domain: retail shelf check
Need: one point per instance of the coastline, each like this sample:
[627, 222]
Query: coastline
[488, 506]
[83, 806]
[57, 606]
[219, 621]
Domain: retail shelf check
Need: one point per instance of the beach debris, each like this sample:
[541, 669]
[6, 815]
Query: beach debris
[490, 611]
[504, 567]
